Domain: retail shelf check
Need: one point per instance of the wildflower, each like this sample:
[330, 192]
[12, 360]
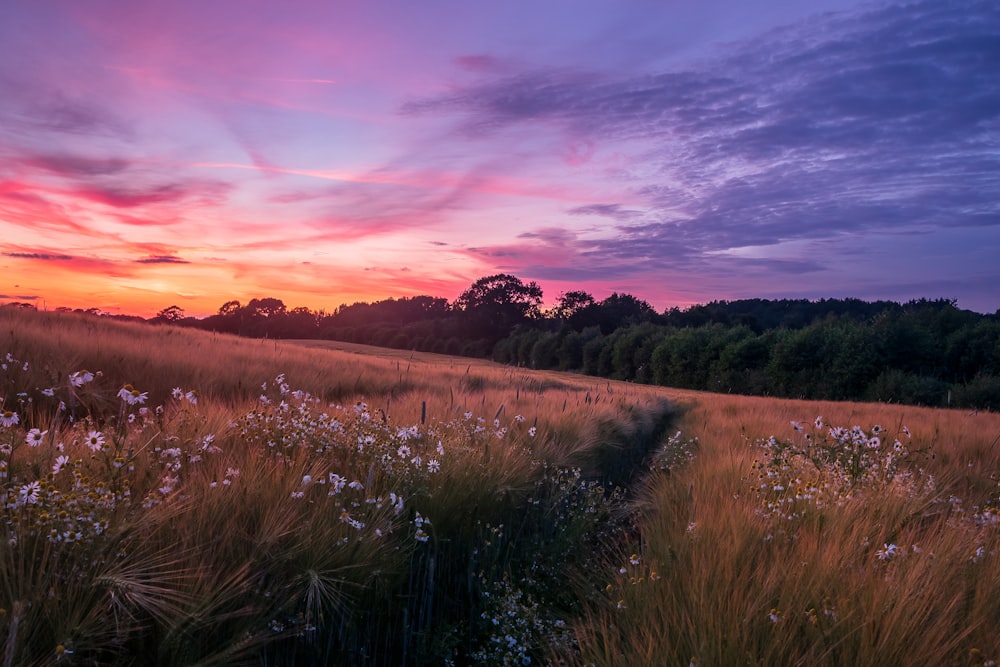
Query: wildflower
[35, 437]
[407, 433]
[80, 378]
[206, 443]
[8, 418]
[60, 463]
[50, 392]
[819, 422]
[906, 431]
[307, 480]
[774, 615]
[887, 552]
[168, 484]
[298, 494]
[532, 431]
[797, 426]
[95, 441]
[192, 397]
[403, 451]
[336, 483]
[345, 517]
[419, 521]
[177, 393]
[633, 559]
[132, 396]
[29, 493]
[433, 465]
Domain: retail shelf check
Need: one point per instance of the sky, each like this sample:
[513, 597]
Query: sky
[188, 153]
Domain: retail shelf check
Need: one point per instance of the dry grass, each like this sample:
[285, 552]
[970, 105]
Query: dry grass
[702, 573]
[722, 568]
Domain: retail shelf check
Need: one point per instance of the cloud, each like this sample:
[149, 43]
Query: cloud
[615, 211]
[48, 257]
[35, 106]
[130, 197]
[852, 122]
[78, 165]
[162, 259]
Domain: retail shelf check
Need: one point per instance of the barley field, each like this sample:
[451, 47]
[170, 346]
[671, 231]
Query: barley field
[176, 497]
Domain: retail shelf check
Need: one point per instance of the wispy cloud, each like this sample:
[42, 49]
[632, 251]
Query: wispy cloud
[883, 120]
[48, 257]
[162, 259]
[615, 211]
[834, 153]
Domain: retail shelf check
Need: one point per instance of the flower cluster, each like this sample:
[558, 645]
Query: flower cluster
[515, 626]
[828, 465]
[676, 452]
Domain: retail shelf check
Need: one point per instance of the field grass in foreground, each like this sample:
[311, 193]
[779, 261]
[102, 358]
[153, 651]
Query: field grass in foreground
[179, 497]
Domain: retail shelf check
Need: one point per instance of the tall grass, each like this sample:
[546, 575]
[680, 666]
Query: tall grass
[873, 569]
[256, 502]
[173, 495]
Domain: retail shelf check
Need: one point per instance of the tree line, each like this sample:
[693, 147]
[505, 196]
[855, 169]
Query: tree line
[925, 352]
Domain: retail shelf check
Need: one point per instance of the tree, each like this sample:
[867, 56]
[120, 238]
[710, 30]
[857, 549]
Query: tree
[266, 307]
[618, 310]
[170, 314]
[571, 303]
[494, 305]
[230, 308]
[502, 292]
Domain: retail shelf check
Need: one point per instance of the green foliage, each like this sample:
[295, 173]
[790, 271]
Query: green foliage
[921, 352]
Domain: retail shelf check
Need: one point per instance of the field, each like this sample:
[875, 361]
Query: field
[177, 497]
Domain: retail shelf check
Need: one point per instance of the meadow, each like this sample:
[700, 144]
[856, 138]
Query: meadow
[177, 497]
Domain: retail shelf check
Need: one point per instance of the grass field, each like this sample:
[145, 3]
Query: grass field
[177, 497]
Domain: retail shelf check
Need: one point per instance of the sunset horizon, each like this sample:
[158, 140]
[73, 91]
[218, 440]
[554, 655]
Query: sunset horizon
[172, 154]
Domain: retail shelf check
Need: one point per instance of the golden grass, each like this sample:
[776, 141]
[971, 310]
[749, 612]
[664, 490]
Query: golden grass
[722, 569]
[715, 581]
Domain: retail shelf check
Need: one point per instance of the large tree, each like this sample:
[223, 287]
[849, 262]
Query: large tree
[497, 303]
[571, 303]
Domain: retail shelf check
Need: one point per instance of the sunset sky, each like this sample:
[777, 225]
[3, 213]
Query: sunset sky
[180, 152]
